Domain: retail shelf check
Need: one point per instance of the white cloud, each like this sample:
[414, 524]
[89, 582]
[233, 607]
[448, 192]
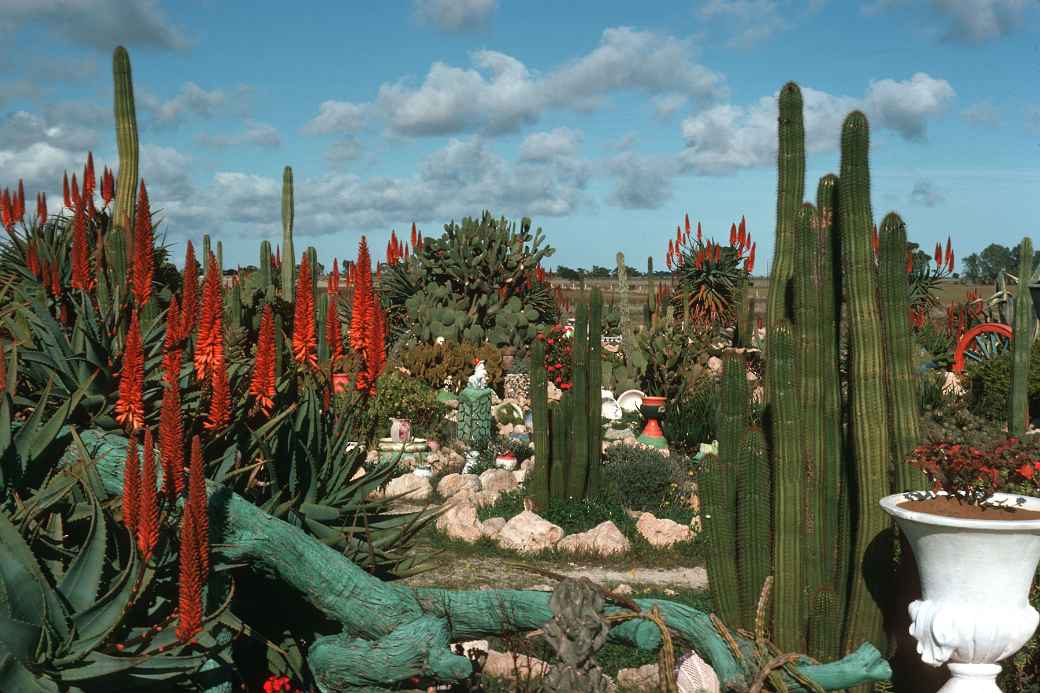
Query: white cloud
[337, 116]
[924, 193]
[455, 15]
[191, 100]
[983, 113]
[754, 21]
[551, 145]
[724, 138]
[971, 21]
[260, 134]
[499, 94]
[343, 151]
[100, 24]
[641, 181]
[665, 105]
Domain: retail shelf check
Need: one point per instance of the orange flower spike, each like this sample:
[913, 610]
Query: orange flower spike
[749, 264]
[948, 254]
[148, 511]
[41, 208]
[949, 262]
[742, 236]
[144, 249]
[732, 235]
[189, 586]
[19, 202]
[334, 278]
[75, 191]
[189, 294]
[220, 401]
[131, 485]
[262, 384]
[304, 340]
[6, 209]
[171, 440]
[130, 406]
[700, 236]
[171, 350]
[209, 344]
[686, 222]
[197, 505]
[361, 278]
[81, 278]
[108, 186]
[938, 255]
[65, 190]
[89, 179]
[415, 236]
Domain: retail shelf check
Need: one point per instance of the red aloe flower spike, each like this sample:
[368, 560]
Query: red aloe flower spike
[698, 261]
[686, 222]
[262, 384]
[189, 587]
[361, 278]
[334, 278]
[671, 248]
[376, 356]
[6, 210]
[197, 504]
[55, 281]
[742, 236]
[131, 485]
[171, 338]
[949, 262]
[144, 249]
[220, 401]
[148, 511]
[171, 440]
[81, 278]
[189, 294]
[75, 191]
[41, 208]
[699, 235]
[303, 339]
[718, 253]
[89, 179]
[130, 406]
[65, 189]
[938, 255]
[419, 242]
[209, 345]
[108, 186]
[749, 264]
[732, 235]
[415, 236]
[668, 259]
[19, 202]
[678, 236]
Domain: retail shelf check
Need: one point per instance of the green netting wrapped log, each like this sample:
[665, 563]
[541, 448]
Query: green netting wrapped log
[539, 485]
[790, 190]
[868, 406]
[1022, 343]
[894, 295]
[788, 492]
[126, 145]
[754, 524]
[288, 255]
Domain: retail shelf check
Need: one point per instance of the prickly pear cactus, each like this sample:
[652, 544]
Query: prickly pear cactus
[576, 632]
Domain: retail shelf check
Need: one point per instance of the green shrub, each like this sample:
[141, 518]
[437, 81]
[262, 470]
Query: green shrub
[398, 396]
[507, 505]
[690, 418]
[990, 380]
[433, 364]
[580, 515]
[645, 480]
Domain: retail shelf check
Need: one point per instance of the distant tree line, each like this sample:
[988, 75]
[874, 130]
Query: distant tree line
[597, 272]
[983, 267]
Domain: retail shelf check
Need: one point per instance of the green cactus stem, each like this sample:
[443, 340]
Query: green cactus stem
[577, 477]
[754, 524]
[126, 145]
[539, 486]
[595, 386]
[1022, 343]
[288, 255]
[265, 264]
[868, 406]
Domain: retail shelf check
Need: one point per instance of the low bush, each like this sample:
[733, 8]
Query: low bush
[399, 396]
[690, 419]
[645, 480]
[436, 364]
[989, 381]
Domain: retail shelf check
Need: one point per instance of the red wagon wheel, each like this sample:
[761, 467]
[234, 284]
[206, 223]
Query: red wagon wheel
[980, 343]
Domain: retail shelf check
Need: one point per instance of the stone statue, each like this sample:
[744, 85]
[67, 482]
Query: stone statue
[478, 381]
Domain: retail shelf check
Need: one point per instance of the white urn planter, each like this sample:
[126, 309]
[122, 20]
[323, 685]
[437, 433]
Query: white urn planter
[975, 580]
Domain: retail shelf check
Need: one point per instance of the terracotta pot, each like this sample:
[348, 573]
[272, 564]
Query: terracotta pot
[975, 580]
[652, 434]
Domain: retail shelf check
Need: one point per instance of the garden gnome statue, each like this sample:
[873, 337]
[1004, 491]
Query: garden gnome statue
[475, 409]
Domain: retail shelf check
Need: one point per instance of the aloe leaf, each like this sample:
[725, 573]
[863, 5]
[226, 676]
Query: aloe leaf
[82, 580]
[14, 676]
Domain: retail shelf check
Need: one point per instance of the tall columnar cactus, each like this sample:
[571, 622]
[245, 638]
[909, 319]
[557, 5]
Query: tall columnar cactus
[220, 256]
[788, 491]
[808, 337]
[569, 431]
[1022, 341]
[622, 283]
[265, 264]
[895, 315]
[288, 255]
[790, 190]
[207, 252]
[754, 524]
[868, 407]
[126, 145]
[540, 425]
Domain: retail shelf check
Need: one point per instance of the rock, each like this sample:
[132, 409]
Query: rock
[952, 385]
[478, 499]
[506, 665]
[645, 678]
[616, 433]
[497, 481]
[622, 589]
[481, 645]
[408, 487]
[527, 465]
[555, 393]
[520, 475]
[662, 532]
[752, 376]
[696, 676]
[451, 484]
[460, 522]
[715, 365]
[492, 526]
[605, 539]
[529, 533]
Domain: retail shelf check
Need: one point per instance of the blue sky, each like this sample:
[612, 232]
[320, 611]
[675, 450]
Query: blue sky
[604, 122]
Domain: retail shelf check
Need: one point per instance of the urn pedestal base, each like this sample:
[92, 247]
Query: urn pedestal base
[971, 678]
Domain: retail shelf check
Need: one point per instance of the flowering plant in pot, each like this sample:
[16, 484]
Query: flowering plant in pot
[977, 548]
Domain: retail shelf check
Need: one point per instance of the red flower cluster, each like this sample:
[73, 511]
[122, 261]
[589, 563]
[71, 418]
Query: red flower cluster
[12, 206]
[194, 549]
[304, 340]
[1007, 465]
[262, 384]
[279, 684]
[367, 332]
[396, 250]
[558, 363]
[189, 294]
[130, 405]
[143, 269]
